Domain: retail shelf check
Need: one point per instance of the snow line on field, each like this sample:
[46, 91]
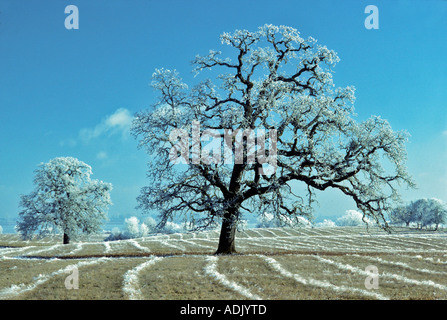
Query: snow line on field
[419, 257]
[353, 269]
[413, 241]
[189, 241]
[131, 286]
[165, 241]
[194, 243]
[32, 253]
[15, 250]
[211, 270]
[274, 235]
[371, 242]
[290, 232]
[107, 247]
[318, 283]
[78, 247]
[257, 233]
[138, 246]
[277, 244]
[400, 264]
[15, 290]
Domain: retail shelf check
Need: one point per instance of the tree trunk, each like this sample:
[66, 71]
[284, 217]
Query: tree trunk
[66, 239]
[228, 233]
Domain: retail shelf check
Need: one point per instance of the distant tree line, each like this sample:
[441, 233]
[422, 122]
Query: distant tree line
[426, 213]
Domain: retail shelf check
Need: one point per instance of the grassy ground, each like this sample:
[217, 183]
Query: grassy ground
[278, 263]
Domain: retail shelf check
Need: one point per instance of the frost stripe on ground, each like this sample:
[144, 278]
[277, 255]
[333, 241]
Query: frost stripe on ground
[138, 246]
[131, 286]
[318, 283]
[211, 270]
[429, 259]
[15, 290]
[400, 264]
[107, 246]
[44, 249]
[384, 274]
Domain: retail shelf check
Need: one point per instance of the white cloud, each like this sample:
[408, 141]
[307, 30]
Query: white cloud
[121, 118]
[117, 123]
[101, 155]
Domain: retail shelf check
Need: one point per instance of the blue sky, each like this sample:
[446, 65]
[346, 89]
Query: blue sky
[73, 92]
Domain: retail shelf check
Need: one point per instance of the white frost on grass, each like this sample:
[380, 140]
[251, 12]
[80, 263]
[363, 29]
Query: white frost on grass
[318, 283]
[400, 264]
[107, 247]
[211, 270]
[131, 286]
[353, 269]
[172, 244]
[32, 253]
[76, 249]
[195, 244]
[13, 251]
[429, 259]
[138, 246]
[14, 290]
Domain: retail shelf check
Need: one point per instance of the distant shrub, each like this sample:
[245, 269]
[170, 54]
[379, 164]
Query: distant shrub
[170, 227]
[115, 235]
[326, 224]
[134, 229]
[268, 220]
[352, 218]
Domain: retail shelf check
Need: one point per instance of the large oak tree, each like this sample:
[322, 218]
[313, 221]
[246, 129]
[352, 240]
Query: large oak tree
[282, 83]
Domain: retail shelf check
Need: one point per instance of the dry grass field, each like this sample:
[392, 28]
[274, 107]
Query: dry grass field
[272, 264]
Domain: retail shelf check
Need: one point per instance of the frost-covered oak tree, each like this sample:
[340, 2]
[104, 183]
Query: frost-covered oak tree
[428, 212]
[64, 200]
[282, 83]
[424, 212]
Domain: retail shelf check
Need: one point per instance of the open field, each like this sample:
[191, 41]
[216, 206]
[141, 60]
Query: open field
[279, 263]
